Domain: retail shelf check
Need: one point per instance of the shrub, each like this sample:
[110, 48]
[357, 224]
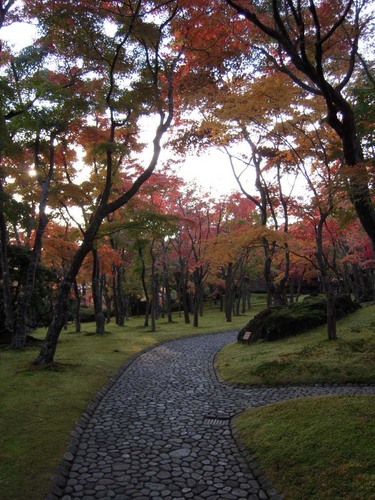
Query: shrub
[278, 322]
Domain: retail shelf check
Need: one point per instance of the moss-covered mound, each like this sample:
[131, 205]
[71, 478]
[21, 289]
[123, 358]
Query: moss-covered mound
[277, 322]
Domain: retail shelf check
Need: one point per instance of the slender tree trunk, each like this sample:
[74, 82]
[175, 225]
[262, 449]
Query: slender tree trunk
[229, 293]
[167, 288]
[201, 302]
[27, 289]
[244, 295]
[178, 280]
[185, 298]
[154, 291]
[4, 264]
[97, 293]
[197, 296]
[77, 315]
[326, 283]
[143, 280]
[196, 307]
[248, 299]
[291, 289]
[331, 310]
[107, 298]
[118, 295]
[267, 278]
[299, 286]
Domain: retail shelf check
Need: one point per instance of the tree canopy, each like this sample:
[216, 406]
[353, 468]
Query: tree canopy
[284, 89]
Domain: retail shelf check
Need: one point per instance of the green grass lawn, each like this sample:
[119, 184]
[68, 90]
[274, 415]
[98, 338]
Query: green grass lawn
[314, 448]
[319, 448]
[308, 358]
[39, 406]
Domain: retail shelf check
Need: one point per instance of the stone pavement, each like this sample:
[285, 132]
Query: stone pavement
[162, 431]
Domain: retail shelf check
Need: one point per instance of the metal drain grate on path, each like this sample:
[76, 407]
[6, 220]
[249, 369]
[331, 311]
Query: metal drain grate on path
[216, 420]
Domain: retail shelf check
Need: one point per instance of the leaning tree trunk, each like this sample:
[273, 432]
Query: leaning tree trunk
[48, 349]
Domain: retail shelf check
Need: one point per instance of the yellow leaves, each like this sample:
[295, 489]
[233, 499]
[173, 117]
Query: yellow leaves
[266, 97]
[230, 247]
[215, 130]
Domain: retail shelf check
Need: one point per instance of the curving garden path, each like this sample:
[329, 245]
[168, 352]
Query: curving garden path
[162, 431]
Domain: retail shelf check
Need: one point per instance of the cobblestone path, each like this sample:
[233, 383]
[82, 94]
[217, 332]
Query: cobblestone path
[163, 431]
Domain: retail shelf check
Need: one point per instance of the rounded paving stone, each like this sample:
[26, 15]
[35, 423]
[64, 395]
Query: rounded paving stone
[162, 430]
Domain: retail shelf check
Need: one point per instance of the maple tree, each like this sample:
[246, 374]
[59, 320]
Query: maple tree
[128, 89]
[40, 107]
[73, 106]
[305, 41]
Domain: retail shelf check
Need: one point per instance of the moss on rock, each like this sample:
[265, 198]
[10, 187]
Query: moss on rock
[275, 323]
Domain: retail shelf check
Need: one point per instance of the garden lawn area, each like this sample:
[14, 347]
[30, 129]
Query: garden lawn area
[319, 448]
[39, 406]
[313, 448]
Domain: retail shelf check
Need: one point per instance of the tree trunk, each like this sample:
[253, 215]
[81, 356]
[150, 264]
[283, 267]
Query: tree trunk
[118, 295]
[291, 289]
[144, 285]
[49, 345]
[7, 294]
[154, 291]
[229, 293]
[77, 315]
[196, 306]
[167, 288]
[325, 279]
[185, 302]
[331, 314]
[27, 288]
[307, 60]
[299, 286]
[107, 298]
[48, 348]
[97, 293]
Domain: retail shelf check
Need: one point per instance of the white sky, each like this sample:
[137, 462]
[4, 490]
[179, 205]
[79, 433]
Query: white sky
[211, 170]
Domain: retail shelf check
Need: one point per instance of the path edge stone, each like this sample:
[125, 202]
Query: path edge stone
[265, 484]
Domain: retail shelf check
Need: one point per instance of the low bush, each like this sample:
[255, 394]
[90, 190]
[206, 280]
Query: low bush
[275, 323]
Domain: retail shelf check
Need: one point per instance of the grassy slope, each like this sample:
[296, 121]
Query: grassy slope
[308, 358]
[38, 407]
[314, 448]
